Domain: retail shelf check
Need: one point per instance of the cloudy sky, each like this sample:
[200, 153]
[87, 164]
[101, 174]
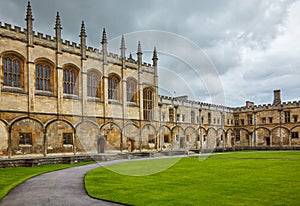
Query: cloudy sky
[220, 51]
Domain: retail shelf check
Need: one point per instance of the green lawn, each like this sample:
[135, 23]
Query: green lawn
[245, 178]
[11, 177]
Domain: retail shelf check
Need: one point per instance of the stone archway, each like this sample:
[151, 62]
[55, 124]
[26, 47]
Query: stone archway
[27, 136]
[87, 135]
[130, 137]
[190, 137]
[60, 137]
[3, 139]
[113, 136]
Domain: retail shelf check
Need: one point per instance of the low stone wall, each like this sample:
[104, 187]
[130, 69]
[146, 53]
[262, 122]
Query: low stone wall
[232, 149]
[37, 161]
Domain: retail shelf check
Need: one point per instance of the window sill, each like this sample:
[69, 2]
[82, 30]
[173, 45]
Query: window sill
[25, 145]
[132, 104]
[67, 145]
[71, 96]
[44, 93]
[94, 99]
[13, 90]
[112, 101]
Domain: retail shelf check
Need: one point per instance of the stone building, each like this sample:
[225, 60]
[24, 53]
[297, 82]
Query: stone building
[62, 97]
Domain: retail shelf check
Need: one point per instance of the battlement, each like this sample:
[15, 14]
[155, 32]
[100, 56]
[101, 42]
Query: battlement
[9, 27]
[67, 46]
[184, 101]
[262, 107]
[44, 36]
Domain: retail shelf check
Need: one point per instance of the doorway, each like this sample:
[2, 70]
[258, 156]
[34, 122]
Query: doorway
[101, 142]
[268, 141]
[181, 143]
[130, 145]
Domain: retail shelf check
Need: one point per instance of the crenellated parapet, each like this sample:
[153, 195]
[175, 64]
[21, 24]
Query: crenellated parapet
[266, 107]
[185, 102]
[48, 41]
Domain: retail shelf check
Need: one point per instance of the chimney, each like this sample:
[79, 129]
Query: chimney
[249, 104]
[277, 98]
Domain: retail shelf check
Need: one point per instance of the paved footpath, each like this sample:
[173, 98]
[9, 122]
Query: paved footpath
[59, 188]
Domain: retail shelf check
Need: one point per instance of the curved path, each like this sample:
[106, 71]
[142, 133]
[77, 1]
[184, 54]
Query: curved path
[62, 187]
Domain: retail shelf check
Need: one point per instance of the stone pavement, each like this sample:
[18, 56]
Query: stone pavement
[59, 188]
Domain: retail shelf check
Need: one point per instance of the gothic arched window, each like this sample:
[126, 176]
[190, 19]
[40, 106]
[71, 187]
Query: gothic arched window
[43, 76]
[113, 88]
[70, 76]
[93, 85]
[12, 71]
[131, 90]
[148, 103]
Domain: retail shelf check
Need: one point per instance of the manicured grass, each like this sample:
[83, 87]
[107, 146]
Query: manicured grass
[11, 177]
[247, 178]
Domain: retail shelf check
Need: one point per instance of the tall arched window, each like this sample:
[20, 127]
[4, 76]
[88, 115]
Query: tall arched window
[93, 84]
[131, 90]
[70, 76]
[148, 103]
[12, 71]
[113, 88]
[43, 76]
[192, 117]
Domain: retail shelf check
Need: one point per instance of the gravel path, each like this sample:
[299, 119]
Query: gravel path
[64, 187]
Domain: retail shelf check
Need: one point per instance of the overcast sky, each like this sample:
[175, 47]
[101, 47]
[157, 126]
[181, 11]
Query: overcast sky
[220, 51]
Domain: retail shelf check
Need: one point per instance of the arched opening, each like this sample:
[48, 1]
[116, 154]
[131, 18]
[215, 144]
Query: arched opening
[27, 137]
[70, 80]
[44, 75]
[94, 84]
[13, 70]
[131, 137]
[131, 90]
[60, 137]
[148, 103]
[113, 87]
[3, 139]
[87, 134]
[113, 135]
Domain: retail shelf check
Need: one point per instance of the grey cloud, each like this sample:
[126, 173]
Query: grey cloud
[240, 38]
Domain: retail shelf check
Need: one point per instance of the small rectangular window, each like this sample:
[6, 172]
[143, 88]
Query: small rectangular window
[183, 117]
[25, 139]
[209, 118]
[151, 139]
[166, 138]
[287, 117]
[67, 138]
[236, 120]
[242, 122]
[271, 120]
[171, 114]
[263, 120]
[295, 117]
[193, 117]
[295, 135]
[249, 116]
[237, 135]
[177, 117]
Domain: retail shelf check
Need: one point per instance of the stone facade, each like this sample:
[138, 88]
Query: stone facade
[61, 97]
